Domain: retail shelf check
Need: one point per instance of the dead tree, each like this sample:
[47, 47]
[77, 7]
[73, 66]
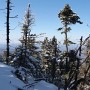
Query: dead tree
[8, 8]
[8, 29]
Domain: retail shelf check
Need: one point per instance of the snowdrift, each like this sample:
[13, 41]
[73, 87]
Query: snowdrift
[8, 81]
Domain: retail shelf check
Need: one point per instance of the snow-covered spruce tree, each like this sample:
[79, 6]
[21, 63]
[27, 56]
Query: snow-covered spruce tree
[23, 58]
[50, 53]
[28, 39]
[49, 47]
[26, 27]
[68, 17]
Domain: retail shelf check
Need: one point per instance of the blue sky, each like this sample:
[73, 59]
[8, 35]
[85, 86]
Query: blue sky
[45, 13]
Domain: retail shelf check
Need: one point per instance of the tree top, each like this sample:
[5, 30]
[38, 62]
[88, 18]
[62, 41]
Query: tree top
[68, 16]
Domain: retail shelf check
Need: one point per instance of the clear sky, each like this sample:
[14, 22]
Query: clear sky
[45, 13]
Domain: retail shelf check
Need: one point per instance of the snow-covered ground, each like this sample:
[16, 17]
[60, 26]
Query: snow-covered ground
[8, 81]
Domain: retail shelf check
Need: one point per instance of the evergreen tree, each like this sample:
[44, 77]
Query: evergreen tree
[50, 54]
[26, 28]
[68, 17]
[24, 55]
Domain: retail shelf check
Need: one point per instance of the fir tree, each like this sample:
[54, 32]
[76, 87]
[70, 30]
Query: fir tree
[27, 29]
[68, 17]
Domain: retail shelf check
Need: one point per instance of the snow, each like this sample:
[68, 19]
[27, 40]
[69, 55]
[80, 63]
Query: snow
[8, 81]
[33, 59]
[42, 85]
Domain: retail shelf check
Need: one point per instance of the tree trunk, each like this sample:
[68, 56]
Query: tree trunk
[66, 38]
[8, 14]
[25, 43]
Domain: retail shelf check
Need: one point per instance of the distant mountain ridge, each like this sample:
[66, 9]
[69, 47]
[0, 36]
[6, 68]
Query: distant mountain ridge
[3, 47]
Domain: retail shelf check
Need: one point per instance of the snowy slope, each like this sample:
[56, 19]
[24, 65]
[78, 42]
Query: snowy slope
[45, 86]
[9, 82]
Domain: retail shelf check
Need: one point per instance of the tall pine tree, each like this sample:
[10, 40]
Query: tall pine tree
[68, 17]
